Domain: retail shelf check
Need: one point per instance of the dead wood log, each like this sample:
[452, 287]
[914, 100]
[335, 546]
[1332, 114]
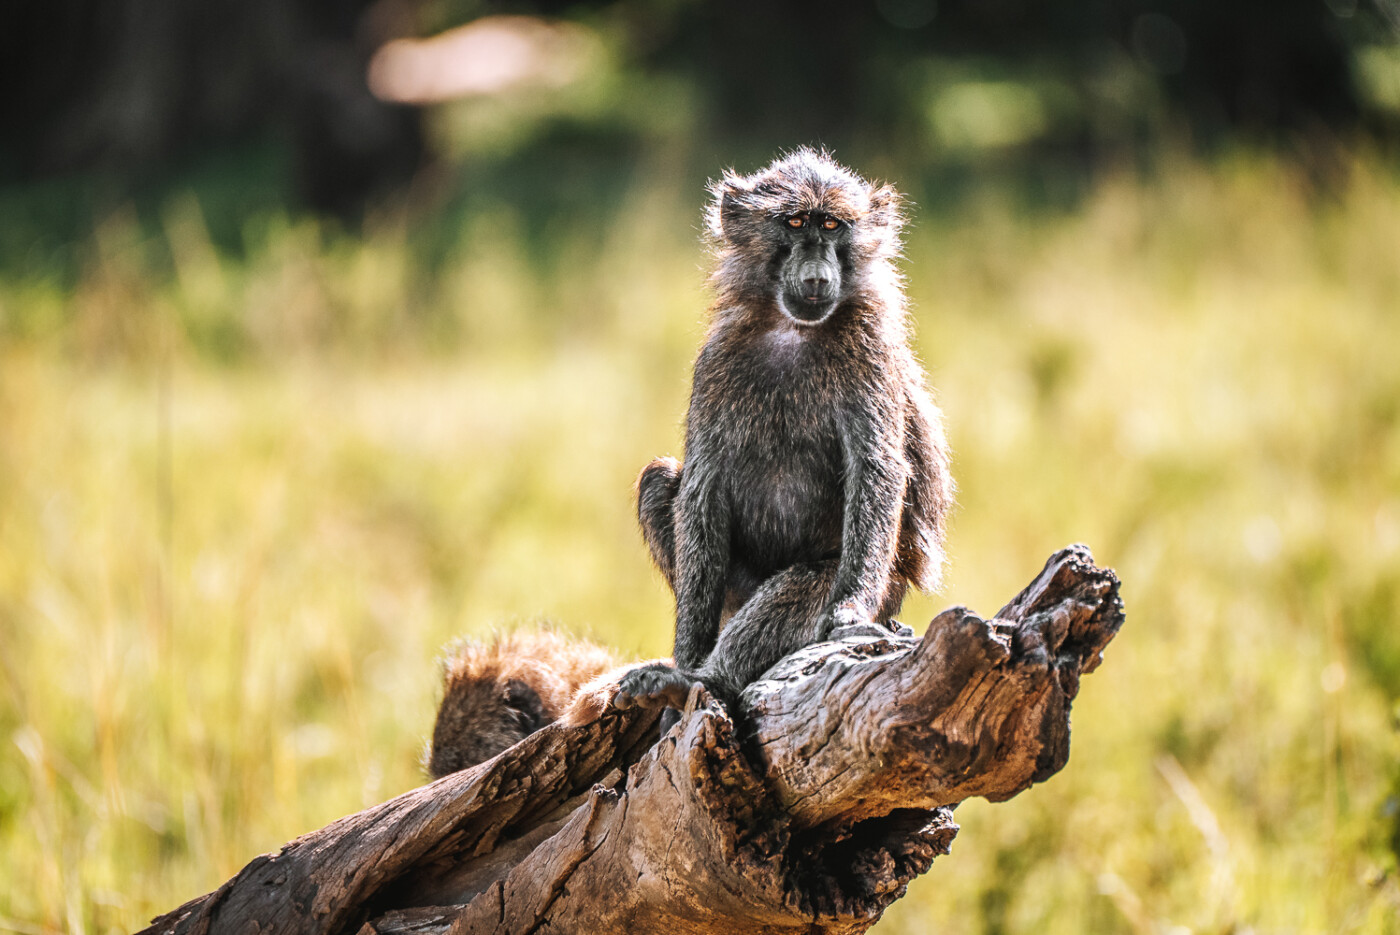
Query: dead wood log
[810, 811]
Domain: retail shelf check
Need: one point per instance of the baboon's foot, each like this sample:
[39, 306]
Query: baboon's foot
[900, 629]
[653, 686]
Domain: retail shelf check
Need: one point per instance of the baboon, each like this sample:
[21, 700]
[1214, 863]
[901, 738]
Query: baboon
[496, 693]
[816, 482]
[816, 479]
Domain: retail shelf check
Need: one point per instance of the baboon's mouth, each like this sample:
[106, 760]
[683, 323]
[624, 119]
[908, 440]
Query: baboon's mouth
[807, 309]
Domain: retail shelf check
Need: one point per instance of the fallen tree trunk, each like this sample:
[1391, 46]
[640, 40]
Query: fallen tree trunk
[810, 811]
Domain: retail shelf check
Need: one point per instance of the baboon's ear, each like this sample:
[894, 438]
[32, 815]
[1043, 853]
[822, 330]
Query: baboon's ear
[886, 207]
[729, 207]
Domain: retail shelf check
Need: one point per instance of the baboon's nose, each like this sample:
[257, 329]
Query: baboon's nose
[815, 286]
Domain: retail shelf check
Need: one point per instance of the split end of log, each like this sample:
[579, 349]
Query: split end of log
[974, 708]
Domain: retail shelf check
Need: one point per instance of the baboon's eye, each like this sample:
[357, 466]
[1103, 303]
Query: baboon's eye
[796, 221]
[830, 224]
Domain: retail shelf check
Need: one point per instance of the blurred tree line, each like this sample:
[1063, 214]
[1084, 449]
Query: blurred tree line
[135, 87]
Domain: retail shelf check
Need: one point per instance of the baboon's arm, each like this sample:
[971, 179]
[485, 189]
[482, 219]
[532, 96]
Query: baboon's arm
[876, 475]
[702, 560]
[929, 494]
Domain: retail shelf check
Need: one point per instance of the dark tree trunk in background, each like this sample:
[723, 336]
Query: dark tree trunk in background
[129, 85]
[836, 72]
[809, 812]
[132, 84]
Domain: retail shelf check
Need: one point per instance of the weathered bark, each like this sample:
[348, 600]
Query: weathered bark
[812, 815]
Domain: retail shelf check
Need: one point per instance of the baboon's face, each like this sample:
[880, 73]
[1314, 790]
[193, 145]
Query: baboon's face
[804, 234]
[813, 248]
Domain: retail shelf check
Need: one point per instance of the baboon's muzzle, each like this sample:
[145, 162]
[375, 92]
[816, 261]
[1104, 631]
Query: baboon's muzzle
[811, 283]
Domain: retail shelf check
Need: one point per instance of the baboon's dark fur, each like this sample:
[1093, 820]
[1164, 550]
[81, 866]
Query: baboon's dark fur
[816, 479]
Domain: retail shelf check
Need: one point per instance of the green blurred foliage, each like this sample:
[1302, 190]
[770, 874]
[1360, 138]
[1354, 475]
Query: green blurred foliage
[256, 469]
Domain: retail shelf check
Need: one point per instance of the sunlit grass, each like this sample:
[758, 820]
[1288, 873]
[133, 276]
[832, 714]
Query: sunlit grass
[243, 502]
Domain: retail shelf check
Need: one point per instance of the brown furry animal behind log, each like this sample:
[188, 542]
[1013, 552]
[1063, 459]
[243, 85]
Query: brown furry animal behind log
[497, 692]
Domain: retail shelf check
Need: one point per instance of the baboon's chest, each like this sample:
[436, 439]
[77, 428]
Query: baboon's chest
[786, 484]
[779, 433]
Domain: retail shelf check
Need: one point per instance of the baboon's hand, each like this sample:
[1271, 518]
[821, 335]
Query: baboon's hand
[653, 686]
[846, 619]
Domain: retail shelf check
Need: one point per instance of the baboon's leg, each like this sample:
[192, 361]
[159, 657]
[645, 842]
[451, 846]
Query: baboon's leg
[783, 615]
[656, 497]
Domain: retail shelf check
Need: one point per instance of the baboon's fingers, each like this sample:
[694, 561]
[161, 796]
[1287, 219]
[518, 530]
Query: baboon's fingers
[652, 686]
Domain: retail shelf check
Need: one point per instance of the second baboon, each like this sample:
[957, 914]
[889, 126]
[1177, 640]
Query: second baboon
[498, 691]
[816, 484]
